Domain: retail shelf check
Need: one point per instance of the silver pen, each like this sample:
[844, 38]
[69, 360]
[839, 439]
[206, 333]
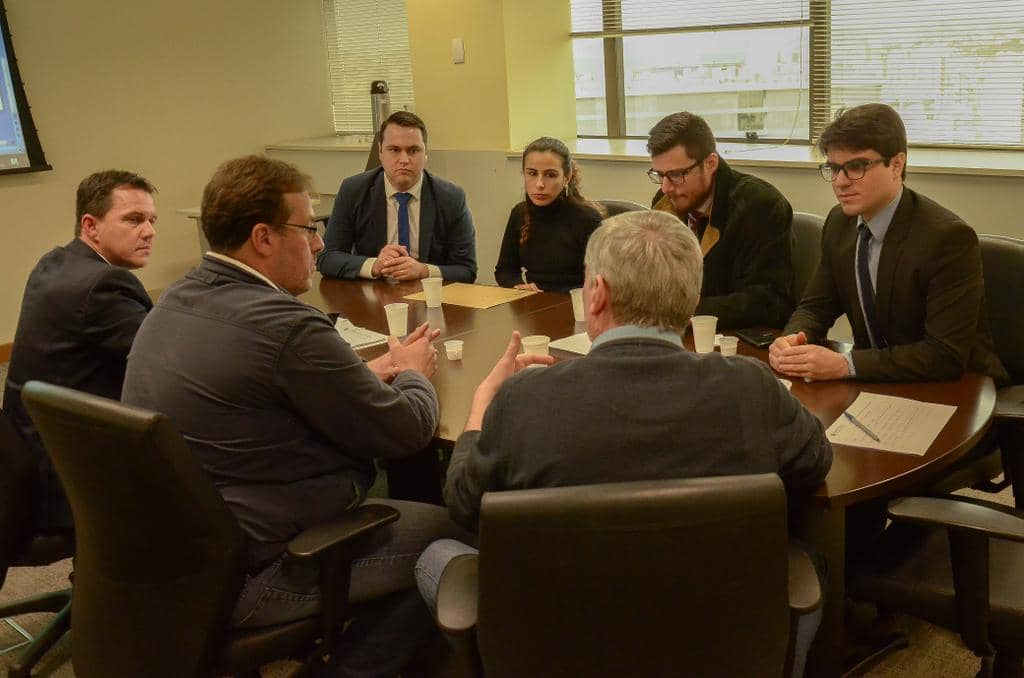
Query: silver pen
[856, 422]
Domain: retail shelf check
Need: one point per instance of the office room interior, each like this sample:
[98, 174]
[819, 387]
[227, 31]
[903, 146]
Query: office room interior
[172, 89]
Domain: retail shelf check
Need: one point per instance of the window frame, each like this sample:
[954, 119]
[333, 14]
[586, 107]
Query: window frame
[614, 70]
[819, 99]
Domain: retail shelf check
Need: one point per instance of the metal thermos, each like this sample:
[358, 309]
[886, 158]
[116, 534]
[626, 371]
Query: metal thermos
[380, 103]
[380, 106]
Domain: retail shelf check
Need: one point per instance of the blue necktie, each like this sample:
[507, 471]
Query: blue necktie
[867, 289]
[403, 219]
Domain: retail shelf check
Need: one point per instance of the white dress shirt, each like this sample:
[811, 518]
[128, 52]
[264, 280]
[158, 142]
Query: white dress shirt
[366, 271]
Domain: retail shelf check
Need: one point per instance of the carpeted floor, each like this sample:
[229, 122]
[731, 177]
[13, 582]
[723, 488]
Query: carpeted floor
[932, 652]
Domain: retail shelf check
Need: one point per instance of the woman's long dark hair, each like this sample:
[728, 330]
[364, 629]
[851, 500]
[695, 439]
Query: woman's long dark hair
[571, 171]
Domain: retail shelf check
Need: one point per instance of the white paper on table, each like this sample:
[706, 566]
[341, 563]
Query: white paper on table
[577, 343]
[358, 337]
[903, 425]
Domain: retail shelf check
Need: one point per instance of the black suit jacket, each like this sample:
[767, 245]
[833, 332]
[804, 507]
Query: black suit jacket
[358, 228]
[79, 316]
[748, 265]
[929, 296]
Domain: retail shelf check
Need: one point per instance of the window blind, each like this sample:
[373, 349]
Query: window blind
[367, 40]
[611, 17]
[780, 69]
[954, 70]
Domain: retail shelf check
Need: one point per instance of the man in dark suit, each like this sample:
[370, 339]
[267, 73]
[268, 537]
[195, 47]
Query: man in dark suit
[398, 220]
[905, 270]
[639, 406]
[81, 310]
[743, 224]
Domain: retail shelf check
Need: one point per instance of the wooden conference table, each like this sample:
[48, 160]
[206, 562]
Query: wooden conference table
[857, 475]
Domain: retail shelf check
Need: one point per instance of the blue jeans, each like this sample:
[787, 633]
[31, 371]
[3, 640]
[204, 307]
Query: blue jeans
[431, 564]
[436, 557]
[390, 621]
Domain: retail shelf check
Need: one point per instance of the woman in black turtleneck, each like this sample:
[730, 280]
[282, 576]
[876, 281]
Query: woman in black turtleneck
[547, 233]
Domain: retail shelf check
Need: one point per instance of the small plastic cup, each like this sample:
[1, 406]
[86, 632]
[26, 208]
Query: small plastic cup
[432, 291]
[577, 303]
[398, 318]
[536, 344]
[704, 332]
[728, 345]
[453, 349]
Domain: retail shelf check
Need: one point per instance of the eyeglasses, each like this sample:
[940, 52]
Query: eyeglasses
[854, 169]
[676, 176]
[310, 229]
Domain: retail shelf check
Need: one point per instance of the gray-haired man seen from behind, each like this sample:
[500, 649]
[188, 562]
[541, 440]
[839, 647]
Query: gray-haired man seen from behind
[285, 417]
[701, 415]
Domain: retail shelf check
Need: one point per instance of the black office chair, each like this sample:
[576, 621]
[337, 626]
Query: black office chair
[662, 578]
[1002, 449]
[614, 207]
[1002, 259]
[159, 562]
[957, 563]
[19, 547]
[806, 241]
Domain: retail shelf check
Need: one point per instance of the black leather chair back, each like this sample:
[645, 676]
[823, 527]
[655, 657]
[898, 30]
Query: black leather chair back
[159, 557]
[1002, 260]
[614, 207]
[806, 239]
[19, 482]
[663, 578]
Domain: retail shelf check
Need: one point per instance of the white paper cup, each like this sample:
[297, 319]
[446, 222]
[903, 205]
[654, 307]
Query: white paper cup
[536, 344]
[453, 348]
[728, 345]
[432, 291]
[398, 319]
[577, 303]
[704, 332]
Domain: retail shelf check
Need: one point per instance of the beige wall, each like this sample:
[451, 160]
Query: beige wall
[464, 105]
[168, 89]
[538, 66]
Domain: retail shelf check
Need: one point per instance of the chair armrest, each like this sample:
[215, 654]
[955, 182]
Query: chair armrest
[314, 541]
[1010, 403]
[457, 595]
[958, 515]
[804, 586]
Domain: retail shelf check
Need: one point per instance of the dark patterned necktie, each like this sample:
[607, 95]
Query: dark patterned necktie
[403, 219]
[867, 289]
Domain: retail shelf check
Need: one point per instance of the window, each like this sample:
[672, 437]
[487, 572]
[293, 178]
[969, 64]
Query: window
[367, 40]
[774, 70]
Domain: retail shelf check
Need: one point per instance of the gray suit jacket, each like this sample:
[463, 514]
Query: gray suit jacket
[636, 409]
[280, 411]
[929, 296]
[358, 228]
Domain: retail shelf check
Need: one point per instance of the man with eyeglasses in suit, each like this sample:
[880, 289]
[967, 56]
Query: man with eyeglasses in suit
[743, 224]
[905, 270]
[284, 416]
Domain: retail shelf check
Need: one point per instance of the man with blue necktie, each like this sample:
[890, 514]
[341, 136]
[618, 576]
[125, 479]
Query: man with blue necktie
[399, 221]
[905, 270]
